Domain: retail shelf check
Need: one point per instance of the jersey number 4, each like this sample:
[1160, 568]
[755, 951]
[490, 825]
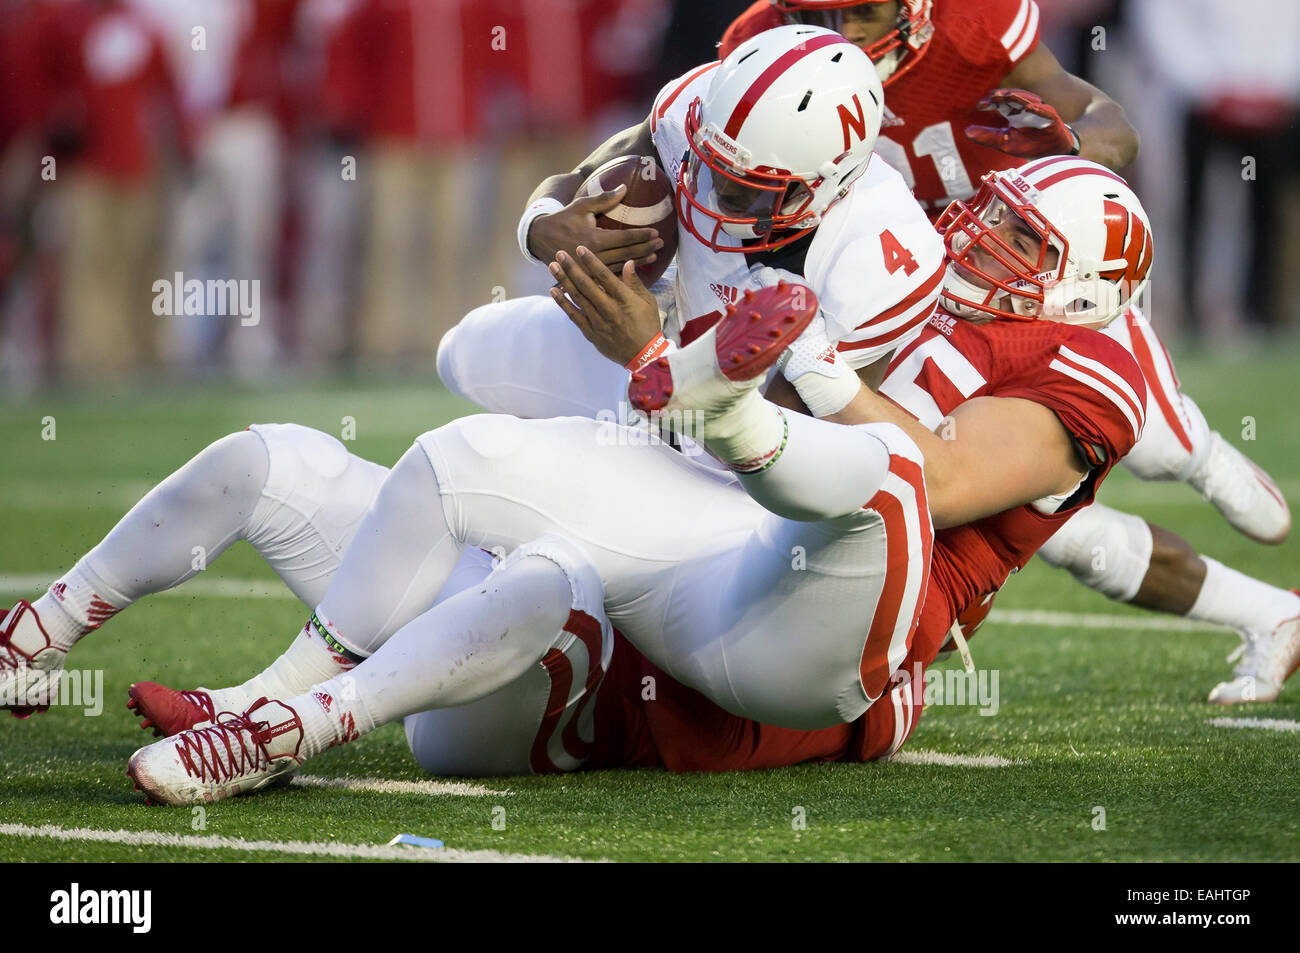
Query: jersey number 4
[896, 256]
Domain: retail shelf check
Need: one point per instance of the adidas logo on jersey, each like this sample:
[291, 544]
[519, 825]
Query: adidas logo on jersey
[889, 118]
[943, 323]
[727, 294]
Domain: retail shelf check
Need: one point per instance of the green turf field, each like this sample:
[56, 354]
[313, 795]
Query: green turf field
[1091, 716]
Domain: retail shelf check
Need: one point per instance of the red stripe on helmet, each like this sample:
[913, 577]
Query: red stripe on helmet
[658, 114]
[770, 76]
[1071, 173]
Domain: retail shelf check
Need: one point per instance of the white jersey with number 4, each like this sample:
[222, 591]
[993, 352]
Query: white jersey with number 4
[875, 262]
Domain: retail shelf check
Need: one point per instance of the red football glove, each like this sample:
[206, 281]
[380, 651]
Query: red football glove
[1034, 128]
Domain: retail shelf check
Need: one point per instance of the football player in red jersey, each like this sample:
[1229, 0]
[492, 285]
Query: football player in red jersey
[970, 89]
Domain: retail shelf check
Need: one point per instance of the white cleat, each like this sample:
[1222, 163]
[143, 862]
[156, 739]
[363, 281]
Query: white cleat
[234, 754]
[1245, 495]
[30, 665]
[1264, 662]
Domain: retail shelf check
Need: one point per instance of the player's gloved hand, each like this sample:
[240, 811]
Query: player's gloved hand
[616, 313]
[1034, 128]
[575, 225]
[825, 382]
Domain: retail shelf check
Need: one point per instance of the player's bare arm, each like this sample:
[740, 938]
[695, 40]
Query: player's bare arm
[575, 224]
[995, 453]
[1103, 130]
[990, 454]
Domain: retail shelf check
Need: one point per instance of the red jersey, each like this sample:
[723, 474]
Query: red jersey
[1087, 379]
[1094, 387]
[976, 43]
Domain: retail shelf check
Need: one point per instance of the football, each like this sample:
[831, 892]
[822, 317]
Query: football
[648, 203]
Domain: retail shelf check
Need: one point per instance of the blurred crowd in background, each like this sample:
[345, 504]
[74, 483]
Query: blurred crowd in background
[365, 162]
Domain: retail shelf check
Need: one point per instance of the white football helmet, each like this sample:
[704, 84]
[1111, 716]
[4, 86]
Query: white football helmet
[894, 53]
[787, 125]
[1085, 212]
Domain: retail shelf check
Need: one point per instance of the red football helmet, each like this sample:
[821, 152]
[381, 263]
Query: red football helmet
[896, 52]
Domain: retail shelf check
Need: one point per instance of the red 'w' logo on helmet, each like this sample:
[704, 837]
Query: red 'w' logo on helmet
[848, 121]
[1127, 238]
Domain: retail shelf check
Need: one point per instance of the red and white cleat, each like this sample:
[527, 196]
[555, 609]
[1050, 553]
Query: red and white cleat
[729, 360]
[1245, 495]
[30, 664]
[1267, 660]
[168, 711]
[235, 754]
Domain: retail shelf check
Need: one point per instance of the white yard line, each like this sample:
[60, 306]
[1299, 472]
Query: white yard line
[305, 848]
[384, 786]
[67, 495]
[1099, 620]
[953, 760]
[31, 584]
[1268, 724]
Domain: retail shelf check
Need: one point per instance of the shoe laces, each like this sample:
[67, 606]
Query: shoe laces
[201, 700]
[233, 745]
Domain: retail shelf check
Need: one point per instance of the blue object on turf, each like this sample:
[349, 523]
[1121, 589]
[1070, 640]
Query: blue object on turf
[415, 841]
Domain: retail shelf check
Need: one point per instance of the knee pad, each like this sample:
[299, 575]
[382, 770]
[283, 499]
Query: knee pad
[895, 439]
[1104, 549]
[585, 585]
[237, 459]
[543, 722]
[315, 497]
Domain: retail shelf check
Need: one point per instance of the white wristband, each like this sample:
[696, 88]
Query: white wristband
[546, 206]
[823, 395]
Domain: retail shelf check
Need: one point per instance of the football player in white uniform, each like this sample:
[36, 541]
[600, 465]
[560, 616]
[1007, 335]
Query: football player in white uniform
[847, 227]
[779, 77]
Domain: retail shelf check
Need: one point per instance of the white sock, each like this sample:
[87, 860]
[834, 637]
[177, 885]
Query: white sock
[332, 713]
[77, 604]
[307, 662]
[1236, 601]
[749, 435]
[823, 471]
